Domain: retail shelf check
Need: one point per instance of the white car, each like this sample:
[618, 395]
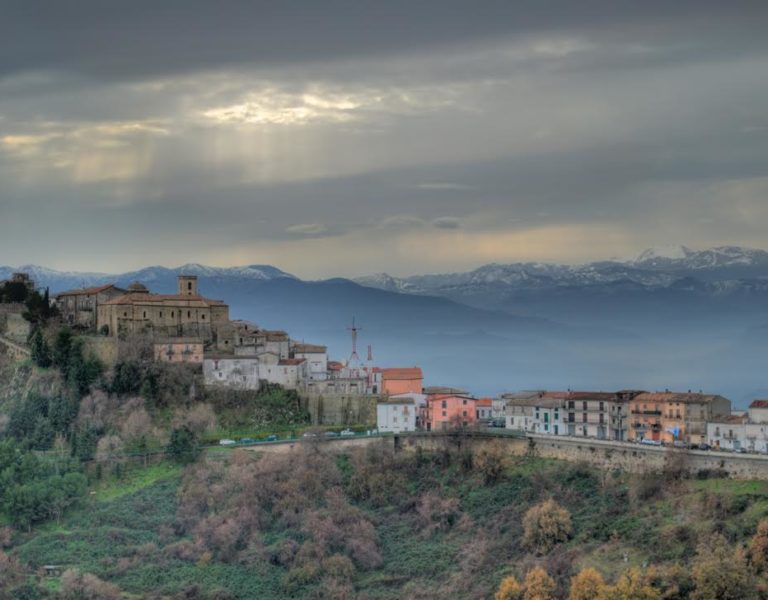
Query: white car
[227, 442]
[347, 432]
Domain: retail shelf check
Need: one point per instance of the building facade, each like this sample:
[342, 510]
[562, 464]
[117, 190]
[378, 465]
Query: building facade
[396, 414]
[184, 314]
[396, 381]
[443, 412]
[674, 416]
[79, 308]
[180, 350]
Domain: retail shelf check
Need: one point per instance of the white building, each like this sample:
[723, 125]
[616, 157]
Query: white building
[728, 433]
[287, 372]
[316, 357]
[396, 414]
[536, 412]
[239, 372]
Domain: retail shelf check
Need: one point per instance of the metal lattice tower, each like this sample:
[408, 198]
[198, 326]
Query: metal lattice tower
[354, 358]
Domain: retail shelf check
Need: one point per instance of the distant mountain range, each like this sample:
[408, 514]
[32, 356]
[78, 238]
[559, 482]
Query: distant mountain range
[669, 317]
[671, 280]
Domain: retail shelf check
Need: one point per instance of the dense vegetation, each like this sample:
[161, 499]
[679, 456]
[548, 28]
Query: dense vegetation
[376, 525]
[102, 472]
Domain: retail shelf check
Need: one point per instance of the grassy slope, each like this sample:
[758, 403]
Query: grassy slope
[120, 534]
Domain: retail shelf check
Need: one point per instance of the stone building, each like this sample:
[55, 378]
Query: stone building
[184, 314]
[79, 307]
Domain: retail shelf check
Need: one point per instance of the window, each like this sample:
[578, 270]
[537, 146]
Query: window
[464, 402]
[172, 314]
[189, 314]
[161, 314]
[464, 413]
[125, 314]
[602, 406]
[444, 404]
[584, 418]
[202, 317]
[584, 405]
[145, 314]
[445, 414]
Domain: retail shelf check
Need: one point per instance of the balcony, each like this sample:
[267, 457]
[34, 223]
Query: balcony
[656, 413]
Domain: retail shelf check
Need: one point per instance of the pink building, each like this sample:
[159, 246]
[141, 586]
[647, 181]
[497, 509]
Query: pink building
[401, 381]
[180, 350]
[447, 411]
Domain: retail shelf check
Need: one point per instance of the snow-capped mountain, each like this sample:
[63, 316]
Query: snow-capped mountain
[160, 277]
[681, 258]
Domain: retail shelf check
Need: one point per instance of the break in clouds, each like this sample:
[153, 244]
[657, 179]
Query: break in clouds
[334, 141]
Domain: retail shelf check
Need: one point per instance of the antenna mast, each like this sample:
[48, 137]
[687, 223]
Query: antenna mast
[354, 358]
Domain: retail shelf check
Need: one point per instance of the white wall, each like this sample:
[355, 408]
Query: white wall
[395, 418]
[241, 373]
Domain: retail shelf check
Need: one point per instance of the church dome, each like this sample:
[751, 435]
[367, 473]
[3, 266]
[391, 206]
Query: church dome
[137, 288]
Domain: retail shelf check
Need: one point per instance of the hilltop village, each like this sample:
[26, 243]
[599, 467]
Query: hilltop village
[187, 327]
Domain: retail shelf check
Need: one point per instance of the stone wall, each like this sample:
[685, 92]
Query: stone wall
[17, 328]
[341, 409]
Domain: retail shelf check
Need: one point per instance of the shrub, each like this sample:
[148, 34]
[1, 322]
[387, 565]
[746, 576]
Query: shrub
[758, 546]
[509, 589]
[84, 586]
[546, 525]
[539, 585]
[720, 571]
[490, 462]
[587, 585]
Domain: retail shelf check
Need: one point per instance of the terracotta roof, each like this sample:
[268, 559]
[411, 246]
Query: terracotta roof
[445, 391]
[436, 397]
[686, 397]
[230, 357]
[286, 362]
[334, 365]
[396, 400]
[402, 373]
[592, 396]
[88, 291]
[309, 349]
[759, 404]
[170, 299]
[730, 419]
[484, 402]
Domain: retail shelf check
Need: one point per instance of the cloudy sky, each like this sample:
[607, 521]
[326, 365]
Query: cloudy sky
[348, 137]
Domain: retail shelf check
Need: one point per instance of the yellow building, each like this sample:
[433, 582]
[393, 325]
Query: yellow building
[184, 314]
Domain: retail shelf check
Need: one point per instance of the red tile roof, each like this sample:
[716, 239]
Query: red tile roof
[759, 404]
[484, 402]
[171, 299]
[286, 362]
[402, 373]
[87, 291]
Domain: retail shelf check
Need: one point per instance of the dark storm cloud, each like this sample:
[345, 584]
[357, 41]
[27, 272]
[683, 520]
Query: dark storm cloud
[109, 39]
[395, 134]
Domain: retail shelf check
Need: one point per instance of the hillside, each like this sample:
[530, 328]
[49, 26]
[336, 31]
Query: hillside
[409, 526]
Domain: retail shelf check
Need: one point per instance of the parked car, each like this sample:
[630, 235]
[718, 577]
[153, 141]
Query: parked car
[331, 434]
[680, 444]
[227, 442]
[309, 434]
[648, 442]
[347, 432]
[271, 438]
[741, 450]
[705, 447]
[247, 441]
